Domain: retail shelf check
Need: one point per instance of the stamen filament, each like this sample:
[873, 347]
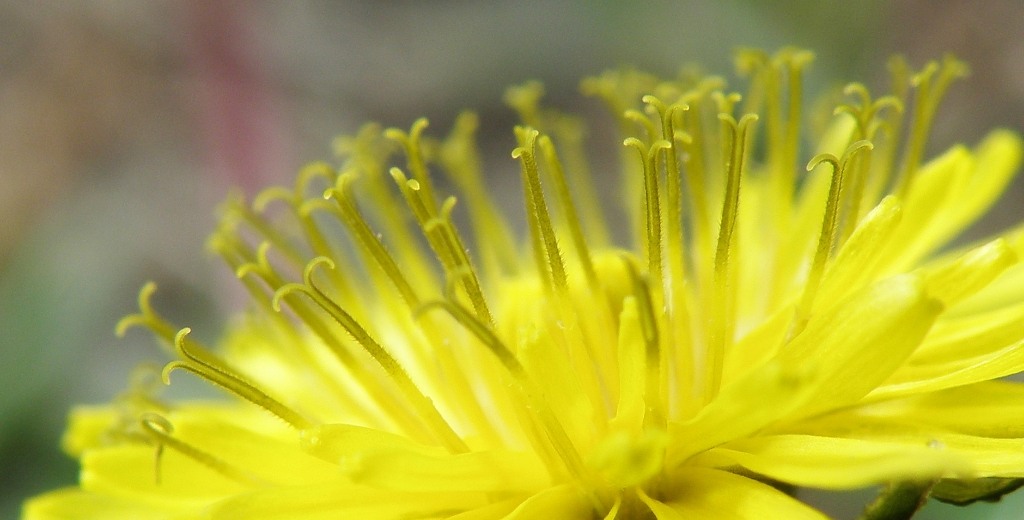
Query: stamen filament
[461, 161]
[414, 155]
[428, 412]
[541, 229]
[654, 416]
[371, 243]
[444, 240]
[197, 359]
[720, 336]
[829, 228]
[930, 92]
[541, 412]
[568, 208]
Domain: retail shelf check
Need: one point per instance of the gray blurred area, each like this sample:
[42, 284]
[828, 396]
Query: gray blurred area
[123, 124]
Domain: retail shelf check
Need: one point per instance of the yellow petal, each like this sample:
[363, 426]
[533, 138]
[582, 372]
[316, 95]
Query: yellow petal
[979, 334]
[860, 342]
[265, 457]
[778, 388]
[629, 414]
[75, 504]
[562, 502]
[495, 511]
[996, 160]
[931, 377]
[1007, 289]
[926, 207]
[132, 471]
[831, 463]
[330, 502]
[985, 456]
[972, 182]
[954, 280]
[710, 493]
[389, 461]
[989, 409]
[757, 346]
[88, 427]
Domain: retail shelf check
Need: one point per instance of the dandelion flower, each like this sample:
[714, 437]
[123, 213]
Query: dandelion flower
[765, 329]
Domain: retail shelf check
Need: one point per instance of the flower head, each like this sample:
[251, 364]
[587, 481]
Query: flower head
[764, 328]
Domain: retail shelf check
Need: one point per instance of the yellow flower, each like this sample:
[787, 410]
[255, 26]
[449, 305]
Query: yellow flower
[764, 329]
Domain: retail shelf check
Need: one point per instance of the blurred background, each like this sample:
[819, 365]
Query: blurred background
[123, 124]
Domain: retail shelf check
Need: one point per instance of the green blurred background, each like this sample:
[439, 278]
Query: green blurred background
[122, 124]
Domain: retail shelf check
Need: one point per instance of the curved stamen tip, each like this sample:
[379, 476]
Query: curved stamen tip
[418, 126]
[260, 267]
[286, 290]
[855, 147]
[527, 137]
[823, 158]
[273, 194]
[165, 373]
[747, 120]
[309, 206]
[859, 90]
[179, 340]
[146, 314]
[654, 102]
[311, 267]
[248, 268]
[311, 171]
[145, 294]
[129, 321]
[448, 206]
[658, 146]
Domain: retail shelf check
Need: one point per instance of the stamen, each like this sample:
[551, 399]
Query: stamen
[652, 205]
[266, 230]
[549, 256]
[201, 362]
[867, 116]
[371, 243]
[553, 429]
[572, 221]
[700, 173]
[794, 62]
[655, 413]
[443, 239]
[461, 161]
[930, 91]
[147, 317]
[383, 398]
[319, 244]
[552, 264]
[672, 214]
[428, 412]
[569, 132]
[414, 154]
[524, 99]
[720, 336]
[677, 356]
[829, 228]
